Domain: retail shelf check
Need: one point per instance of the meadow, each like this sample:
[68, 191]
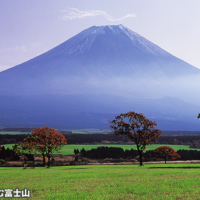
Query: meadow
[92, 131]
[152, 181]
[12, 132]
[69, 148]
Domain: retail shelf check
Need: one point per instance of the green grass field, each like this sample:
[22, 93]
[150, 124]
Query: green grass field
[88, 131]
[149, 182]
[69, 149]
[12, 132]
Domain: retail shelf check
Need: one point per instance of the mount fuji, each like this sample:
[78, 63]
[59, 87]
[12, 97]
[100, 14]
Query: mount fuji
[97, 74]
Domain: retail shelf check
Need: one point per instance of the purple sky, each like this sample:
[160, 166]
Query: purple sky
[30, 28]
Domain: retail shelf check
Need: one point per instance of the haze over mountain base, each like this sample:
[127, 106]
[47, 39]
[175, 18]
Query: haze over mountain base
[96, 75]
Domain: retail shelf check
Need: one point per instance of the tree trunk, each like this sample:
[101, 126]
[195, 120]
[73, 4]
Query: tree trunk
[33, 161]
[165, 159]
[140, 154]
[43, 160]
[24, 160]
[76, 158]
[49, 161]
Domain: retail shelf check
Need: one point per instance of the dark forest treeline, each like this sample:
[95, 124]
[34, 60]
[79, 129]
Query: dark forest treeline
[192, 141]
[103, 138]
[71, 138]
[165, 133]
[8, 154]
[116, 153]
[12, 139]
[17, 129]
[106, 152]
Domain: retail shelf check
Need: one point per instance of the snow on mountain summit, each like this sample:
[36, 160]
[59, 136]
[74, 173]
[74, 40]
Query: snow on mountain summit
[83, 41]
[103, 51]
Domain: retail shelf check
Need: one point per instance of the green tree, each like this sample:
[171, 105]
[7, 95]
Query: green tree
[22, 148]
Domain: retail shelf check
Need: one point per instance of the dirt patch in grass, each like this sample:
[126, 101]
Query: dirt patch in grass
[19, 163]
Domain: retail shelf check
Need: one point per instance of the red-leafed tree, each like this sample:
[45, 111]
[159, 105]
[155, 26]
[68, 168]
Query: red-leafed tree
[138, 128]
[165, 152]
[45, 140]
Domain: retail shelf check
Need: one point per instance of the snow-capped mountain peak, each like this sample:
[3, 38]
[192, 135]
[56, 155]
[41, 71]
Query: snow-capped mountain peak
[114, 34]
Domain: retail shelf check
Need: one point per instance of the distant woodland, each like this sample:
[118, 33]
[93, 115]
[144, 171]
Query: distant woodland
[104, 152]
[192, 141]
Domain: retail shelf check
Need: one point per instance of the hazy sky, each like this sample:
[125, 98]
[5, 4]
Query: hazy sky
[30, 28]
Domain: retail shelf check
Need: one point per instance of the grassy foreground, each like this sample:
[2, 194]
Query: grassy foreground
[152, 182]
[69, 148]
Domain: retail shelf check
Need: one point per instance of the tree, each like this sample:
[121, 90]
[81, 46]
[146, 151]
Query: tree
[165, 152]
[76, 151]
[3, 153]
[22, 148]
[45, 140]
[138, 128]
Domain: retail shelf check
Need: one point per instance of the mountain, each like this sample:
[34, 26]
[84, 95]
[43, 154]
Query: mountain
[87, 80]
